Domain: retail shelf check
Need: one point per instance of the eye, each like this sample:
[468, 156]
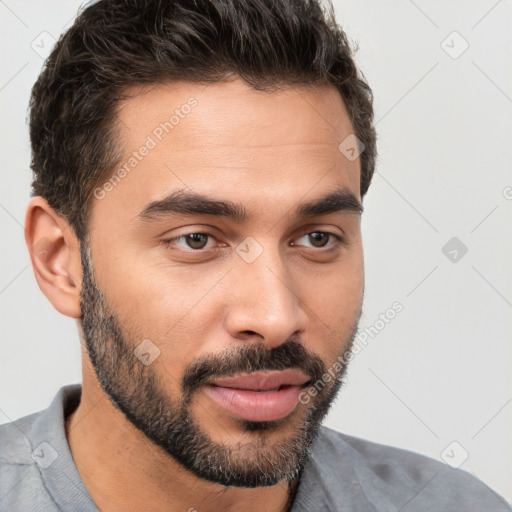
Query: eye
[320, 239]
[194, 241]
[197, 242]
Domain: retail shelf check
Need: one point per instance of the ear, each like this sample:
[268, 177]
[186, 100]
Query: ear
[55, 255]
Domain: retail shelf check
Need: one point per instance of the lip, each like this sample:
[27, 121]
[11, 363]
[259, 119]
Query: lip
[262, 381]
[259, 396]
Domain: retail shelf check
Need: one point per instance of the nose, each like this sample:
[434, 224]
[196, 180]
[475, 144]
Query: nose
[264, 305]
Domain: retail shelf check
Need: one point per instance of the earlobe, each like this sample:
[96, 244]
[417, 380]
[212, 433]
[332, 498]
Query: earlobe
[55, 256]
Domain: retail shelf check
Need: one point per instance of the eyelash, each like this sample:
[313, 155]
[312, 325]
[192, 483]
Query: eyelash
[170, 241]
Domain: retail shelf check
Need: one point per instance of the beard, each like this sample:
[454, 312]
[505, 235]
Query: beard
[135, 389]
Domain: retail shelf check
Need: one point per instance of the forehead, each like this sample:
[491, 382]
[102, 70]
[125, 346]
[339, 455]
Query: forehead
[227, 139]
[238, 108]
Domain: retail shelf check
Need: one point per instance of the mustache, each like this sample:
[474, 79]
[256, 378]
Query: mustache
[252, 358]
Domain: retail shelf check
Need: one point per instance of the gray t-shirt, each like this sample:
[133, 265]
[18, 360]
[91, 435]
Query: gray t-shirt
[343, 473]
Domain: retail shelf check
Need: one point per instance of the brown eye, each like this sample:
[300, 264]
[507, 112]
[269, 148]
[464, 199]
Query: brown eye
[196, 240]
[320, 239]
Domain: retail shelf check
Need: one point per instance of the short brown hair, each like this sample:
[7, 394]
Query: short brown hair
[114, 44]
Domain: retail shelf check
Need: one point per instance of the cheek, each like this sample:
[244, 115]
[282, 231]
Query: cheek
[164, 305]
[333, 305]
[337, 289]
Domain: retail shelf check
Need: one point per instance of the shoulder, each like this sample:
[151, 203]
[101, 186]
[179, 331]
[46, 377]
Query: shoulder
[21, 484]
[15, 444]
[402, 478]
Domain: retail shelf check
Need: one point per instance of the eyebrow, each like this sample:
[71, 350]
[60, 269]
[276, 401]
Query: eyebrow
[190, 203]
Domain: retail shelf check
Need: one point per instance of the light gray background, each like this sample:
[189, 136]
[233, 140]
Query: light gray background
[437, 373]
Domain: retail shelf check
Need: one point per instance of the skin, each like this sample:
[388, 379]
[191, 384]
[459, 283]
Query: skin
[268, 151]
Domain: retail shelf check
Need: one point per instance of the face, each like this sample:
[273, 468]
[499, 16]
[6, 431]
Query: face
[229, 247]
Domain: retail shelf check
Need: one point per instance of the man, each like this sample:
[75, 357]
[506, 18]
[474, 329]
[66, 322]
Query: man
[199, 174]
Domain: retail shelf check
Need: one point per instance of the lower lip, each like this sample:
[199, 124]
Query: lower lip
[256, 405]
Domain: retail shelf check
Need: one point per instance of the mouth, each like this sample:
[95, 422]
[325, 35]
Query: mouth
[261, 396]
